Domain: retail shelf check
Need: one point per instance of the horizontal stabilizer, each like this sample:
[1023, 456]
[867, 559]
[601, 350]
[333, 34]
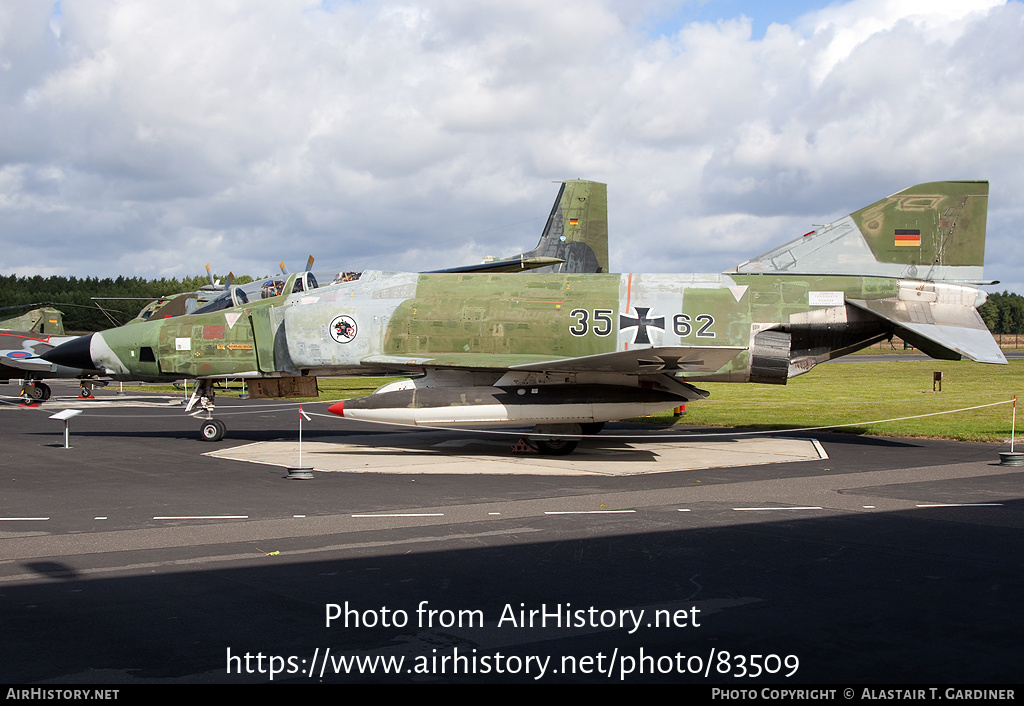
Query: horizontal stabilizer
[942, 330]
[515, 264]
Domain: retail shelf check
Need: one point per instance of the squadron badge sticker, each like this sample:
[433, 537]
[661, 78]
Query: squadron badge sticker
[343, 328]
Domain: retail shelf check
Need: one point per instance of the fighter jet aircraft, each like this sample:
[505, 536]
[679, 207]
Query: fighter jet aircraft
[566, 352]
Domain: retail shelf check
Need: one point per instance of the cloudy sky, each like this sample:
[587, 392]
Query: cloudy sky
[147, 139]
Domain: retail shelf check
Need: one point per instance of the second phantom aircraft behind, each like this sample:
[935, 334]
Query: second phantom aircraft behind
[567, 351]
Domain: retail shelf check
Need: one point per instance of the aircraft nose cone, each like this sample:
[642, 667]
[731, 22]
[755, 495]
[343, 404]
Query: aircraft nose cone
[337, 408]
[73, 354]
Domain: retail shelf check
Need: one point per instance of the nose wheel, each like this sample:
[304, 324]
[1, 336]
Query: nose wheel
[556, 447]
[212, 430]
[553, 443]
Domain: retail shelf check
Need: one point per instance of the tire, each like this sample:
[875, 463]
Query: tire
[212, 430]
[556, 447]
[592, 428]
[39, 392]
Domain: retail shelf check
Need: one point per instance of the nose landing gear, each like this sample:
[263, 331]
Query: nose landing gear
[211, 429]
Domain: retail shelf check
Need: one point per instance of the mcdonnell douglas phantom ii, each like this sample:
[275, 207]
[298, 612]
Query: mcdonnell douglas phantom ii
[566, 352]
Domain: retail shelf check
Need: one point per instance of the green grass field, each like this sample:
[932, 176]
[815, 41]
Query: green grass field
[832, 394]
[854, 393]
[330, 388]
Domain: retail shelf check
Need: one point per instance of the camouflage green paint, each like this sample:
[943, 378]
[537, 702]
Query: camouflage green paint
[465, 318]
[498, 315]
[947, 217]
[221, 343]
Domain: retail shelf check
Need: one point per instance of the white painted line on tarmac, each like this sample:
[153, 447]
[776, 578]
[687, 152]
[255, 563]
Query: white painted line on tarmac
[548, 512]
[406, 514]
[809, 507]
[203, 517]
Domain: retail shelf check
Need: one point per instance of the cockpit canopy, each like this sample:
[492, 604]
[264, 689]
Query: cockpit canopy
[234, 296]
[241, 294]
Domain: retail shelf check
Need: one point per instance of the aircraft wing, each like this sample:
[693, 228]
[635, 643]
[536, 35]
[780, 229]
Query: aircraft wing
[458, 361]
[643, 360]
[639, 361]
[20, 350]
[16, 358]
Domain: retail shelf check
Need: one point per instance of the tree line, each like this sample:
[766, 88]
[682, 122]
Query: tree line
[83, 310]
[1003, 313]
[74, 296]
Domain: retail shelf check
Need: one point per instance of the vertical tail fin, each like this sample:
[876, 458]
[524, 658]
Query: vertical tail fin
[45, 320]
[933, 232]
[577, 229]
[51, 322]
[574, 240]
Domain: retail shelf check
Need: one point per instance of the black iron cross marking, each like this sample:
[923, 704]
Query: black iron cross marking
[665, 362]
[641, 322]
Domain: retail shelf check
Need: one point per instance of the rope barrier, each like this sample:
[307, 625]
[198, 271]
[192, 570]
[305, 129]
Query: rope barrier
[497, 432]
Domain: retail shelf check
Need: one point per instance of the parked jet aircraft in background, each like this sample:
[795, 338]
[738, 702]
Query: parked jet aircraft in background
[22, 339]
[574, 239]
[566, 352]
[43, 319]
[20, 359]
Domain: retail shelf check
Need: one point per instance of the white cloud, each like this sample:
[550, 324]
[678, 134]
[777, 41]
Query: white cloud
[851, 24]
[149, 139]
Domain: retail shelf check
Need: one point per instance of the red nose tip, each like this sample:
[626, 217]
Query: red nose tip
[338, 409]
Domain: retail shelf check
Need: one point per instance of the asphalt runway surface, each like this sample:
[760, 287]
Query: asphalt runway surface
[134, 557]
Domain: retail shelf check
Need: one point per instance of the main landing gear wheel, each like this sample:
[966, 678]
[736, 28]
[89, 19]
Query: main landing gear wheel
[212, 430]
[38, 391]
[556, 447]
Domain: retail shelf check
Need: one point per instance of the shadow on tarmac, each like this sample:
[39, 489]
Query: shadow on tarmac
[906, 597]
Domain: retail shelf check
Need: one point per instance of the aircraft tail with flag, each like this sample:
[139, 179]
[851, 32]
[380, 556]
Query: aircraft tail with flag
[933, 232]
[930, 237]
[574, 240]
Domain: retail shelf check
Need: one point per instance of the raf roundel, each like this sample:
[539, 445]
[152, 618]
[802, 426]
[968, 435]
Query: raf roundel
[343, 328]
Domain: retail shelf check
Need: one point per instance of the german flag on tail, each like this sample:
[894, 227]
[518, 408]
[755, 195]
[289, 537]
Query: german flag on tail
[908, 238]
